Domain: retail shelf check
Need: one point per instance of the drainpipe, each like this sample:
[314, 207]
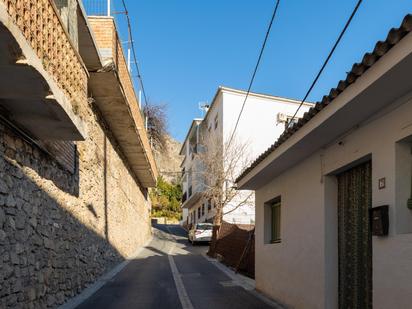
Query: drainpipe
[410, 199]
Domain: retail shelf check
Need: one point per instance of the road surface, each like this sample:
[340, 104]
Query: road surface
[171, 273]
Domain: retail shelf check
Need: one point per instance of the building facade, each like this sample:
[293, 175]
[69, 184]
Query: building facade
[263, 119]
[333, 194]
[73, 182]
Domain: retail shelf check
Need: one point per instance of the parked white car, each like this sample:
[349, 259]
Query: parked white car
[200, 232]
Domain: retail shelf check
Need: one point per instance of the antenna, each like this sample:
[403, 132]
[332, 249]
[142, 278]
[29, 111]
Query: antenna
[204, 107]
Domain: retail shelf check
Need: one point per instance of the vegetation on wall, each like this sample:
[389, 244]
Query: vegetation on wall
[166, 200]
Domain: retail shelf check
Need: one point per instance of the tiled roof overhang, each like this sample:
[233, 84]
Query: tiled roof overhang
[358, 69]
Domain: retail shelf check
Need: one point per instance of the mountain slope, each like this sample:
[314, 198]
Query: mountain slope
[168, 160]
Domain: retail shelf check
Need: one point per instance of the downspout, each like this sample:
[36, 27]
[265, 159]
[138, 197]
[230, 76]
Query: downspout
[409, 204]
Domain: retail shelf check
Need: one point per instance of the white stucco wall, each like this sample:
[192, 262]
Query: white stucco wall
[258, 128]
[258, 123]
[302, 270]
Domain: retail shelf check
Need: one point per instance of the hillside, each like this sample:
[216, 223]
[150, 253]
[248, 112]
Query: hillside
[168, 160]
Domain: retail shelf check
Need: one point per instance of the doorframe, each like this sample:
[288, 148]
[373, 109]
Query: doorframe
[331, 265]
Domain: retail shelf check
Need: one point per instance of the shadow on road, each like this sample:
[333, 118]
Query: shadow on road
[147, 281]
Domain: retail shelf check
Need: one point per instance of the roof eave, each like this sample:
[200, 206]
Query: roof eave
[395, 41]
[367, 94]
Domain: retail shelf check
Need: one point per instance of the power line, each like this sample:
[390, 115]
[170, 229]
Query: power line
[255, 70]
[131, 42]
[326, 61]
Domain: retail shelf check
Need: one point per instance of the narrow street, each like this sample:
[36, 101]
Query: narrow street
[171, 273]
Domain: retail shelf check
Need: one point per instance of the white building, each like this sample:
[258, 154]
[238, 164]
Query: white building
[321, 238]
[263, 120]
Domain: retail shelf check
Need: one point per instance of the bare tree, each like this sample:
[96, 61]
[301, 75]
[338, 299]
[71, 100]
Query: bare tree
[156, 124]
[219, 165]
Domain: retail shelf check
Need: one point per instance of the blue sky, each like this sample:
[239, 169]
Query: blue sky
[187, 48]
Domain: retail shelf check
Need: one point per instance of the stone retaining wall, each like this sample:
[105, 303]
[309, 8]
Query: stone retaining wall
[59, 230]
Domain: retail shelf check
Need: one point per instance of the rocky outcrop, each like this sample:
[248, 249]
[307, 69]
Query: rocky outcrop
[168, 160]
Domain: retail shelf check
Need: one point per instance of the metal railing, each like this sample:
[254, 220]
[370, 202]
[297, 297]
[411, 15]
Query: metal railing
[99, 7]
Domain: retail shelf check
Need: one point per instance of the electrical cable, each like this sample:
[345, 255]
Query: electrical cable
[139, 75]
[326, 61]
[255, 70]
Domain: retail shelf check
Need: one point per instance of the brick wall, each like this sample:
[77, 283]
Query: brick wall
[110, 46]
[59, 231]
[103, 30]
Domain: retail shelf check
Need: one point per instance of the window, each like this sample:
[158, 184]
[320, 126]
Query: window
[204, 226]
[275, 222]
[216, 121]
[209, 204]
[272, 218]
[198, 213]
[203, 209]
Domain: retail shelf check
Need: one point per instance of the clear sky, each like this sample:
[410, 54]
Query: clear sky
[187, 48]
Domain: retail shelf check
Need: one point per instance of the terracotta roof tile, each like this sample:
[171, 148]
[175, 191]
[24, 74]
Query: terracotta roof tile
[368, 60]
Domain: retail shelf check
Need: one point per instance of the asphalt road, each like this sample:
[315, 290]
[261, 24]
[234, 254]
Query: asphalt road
[171, 273]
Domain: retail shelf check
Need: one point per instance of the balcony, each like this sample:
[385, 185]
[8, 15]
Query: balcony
[43, 80]
[194, 193]
[114, 95]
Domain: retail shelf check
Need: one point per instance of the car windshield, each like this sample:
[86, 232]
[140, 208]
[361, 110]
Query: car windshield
[204, 227]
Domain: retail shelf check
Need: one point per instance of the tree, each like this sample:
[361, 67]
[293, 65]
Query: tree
[156, 124]
[220, 162]
[166, 199]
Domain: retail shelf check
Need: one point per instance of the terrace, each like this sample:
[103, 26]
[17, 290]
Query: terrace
[113, 91]
[43, 79]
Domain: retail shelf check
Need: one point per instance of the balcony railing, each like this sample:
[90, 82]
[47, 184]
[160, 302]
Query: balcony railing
[99, 7]
[41, 25]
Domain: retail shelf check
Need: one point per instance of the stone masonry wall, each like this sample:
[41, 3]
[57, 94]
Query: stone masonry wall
[60, 231]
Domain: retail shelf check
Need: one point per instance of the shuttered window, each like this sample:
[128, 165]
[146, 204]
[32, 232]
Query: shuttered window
[64, 152]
